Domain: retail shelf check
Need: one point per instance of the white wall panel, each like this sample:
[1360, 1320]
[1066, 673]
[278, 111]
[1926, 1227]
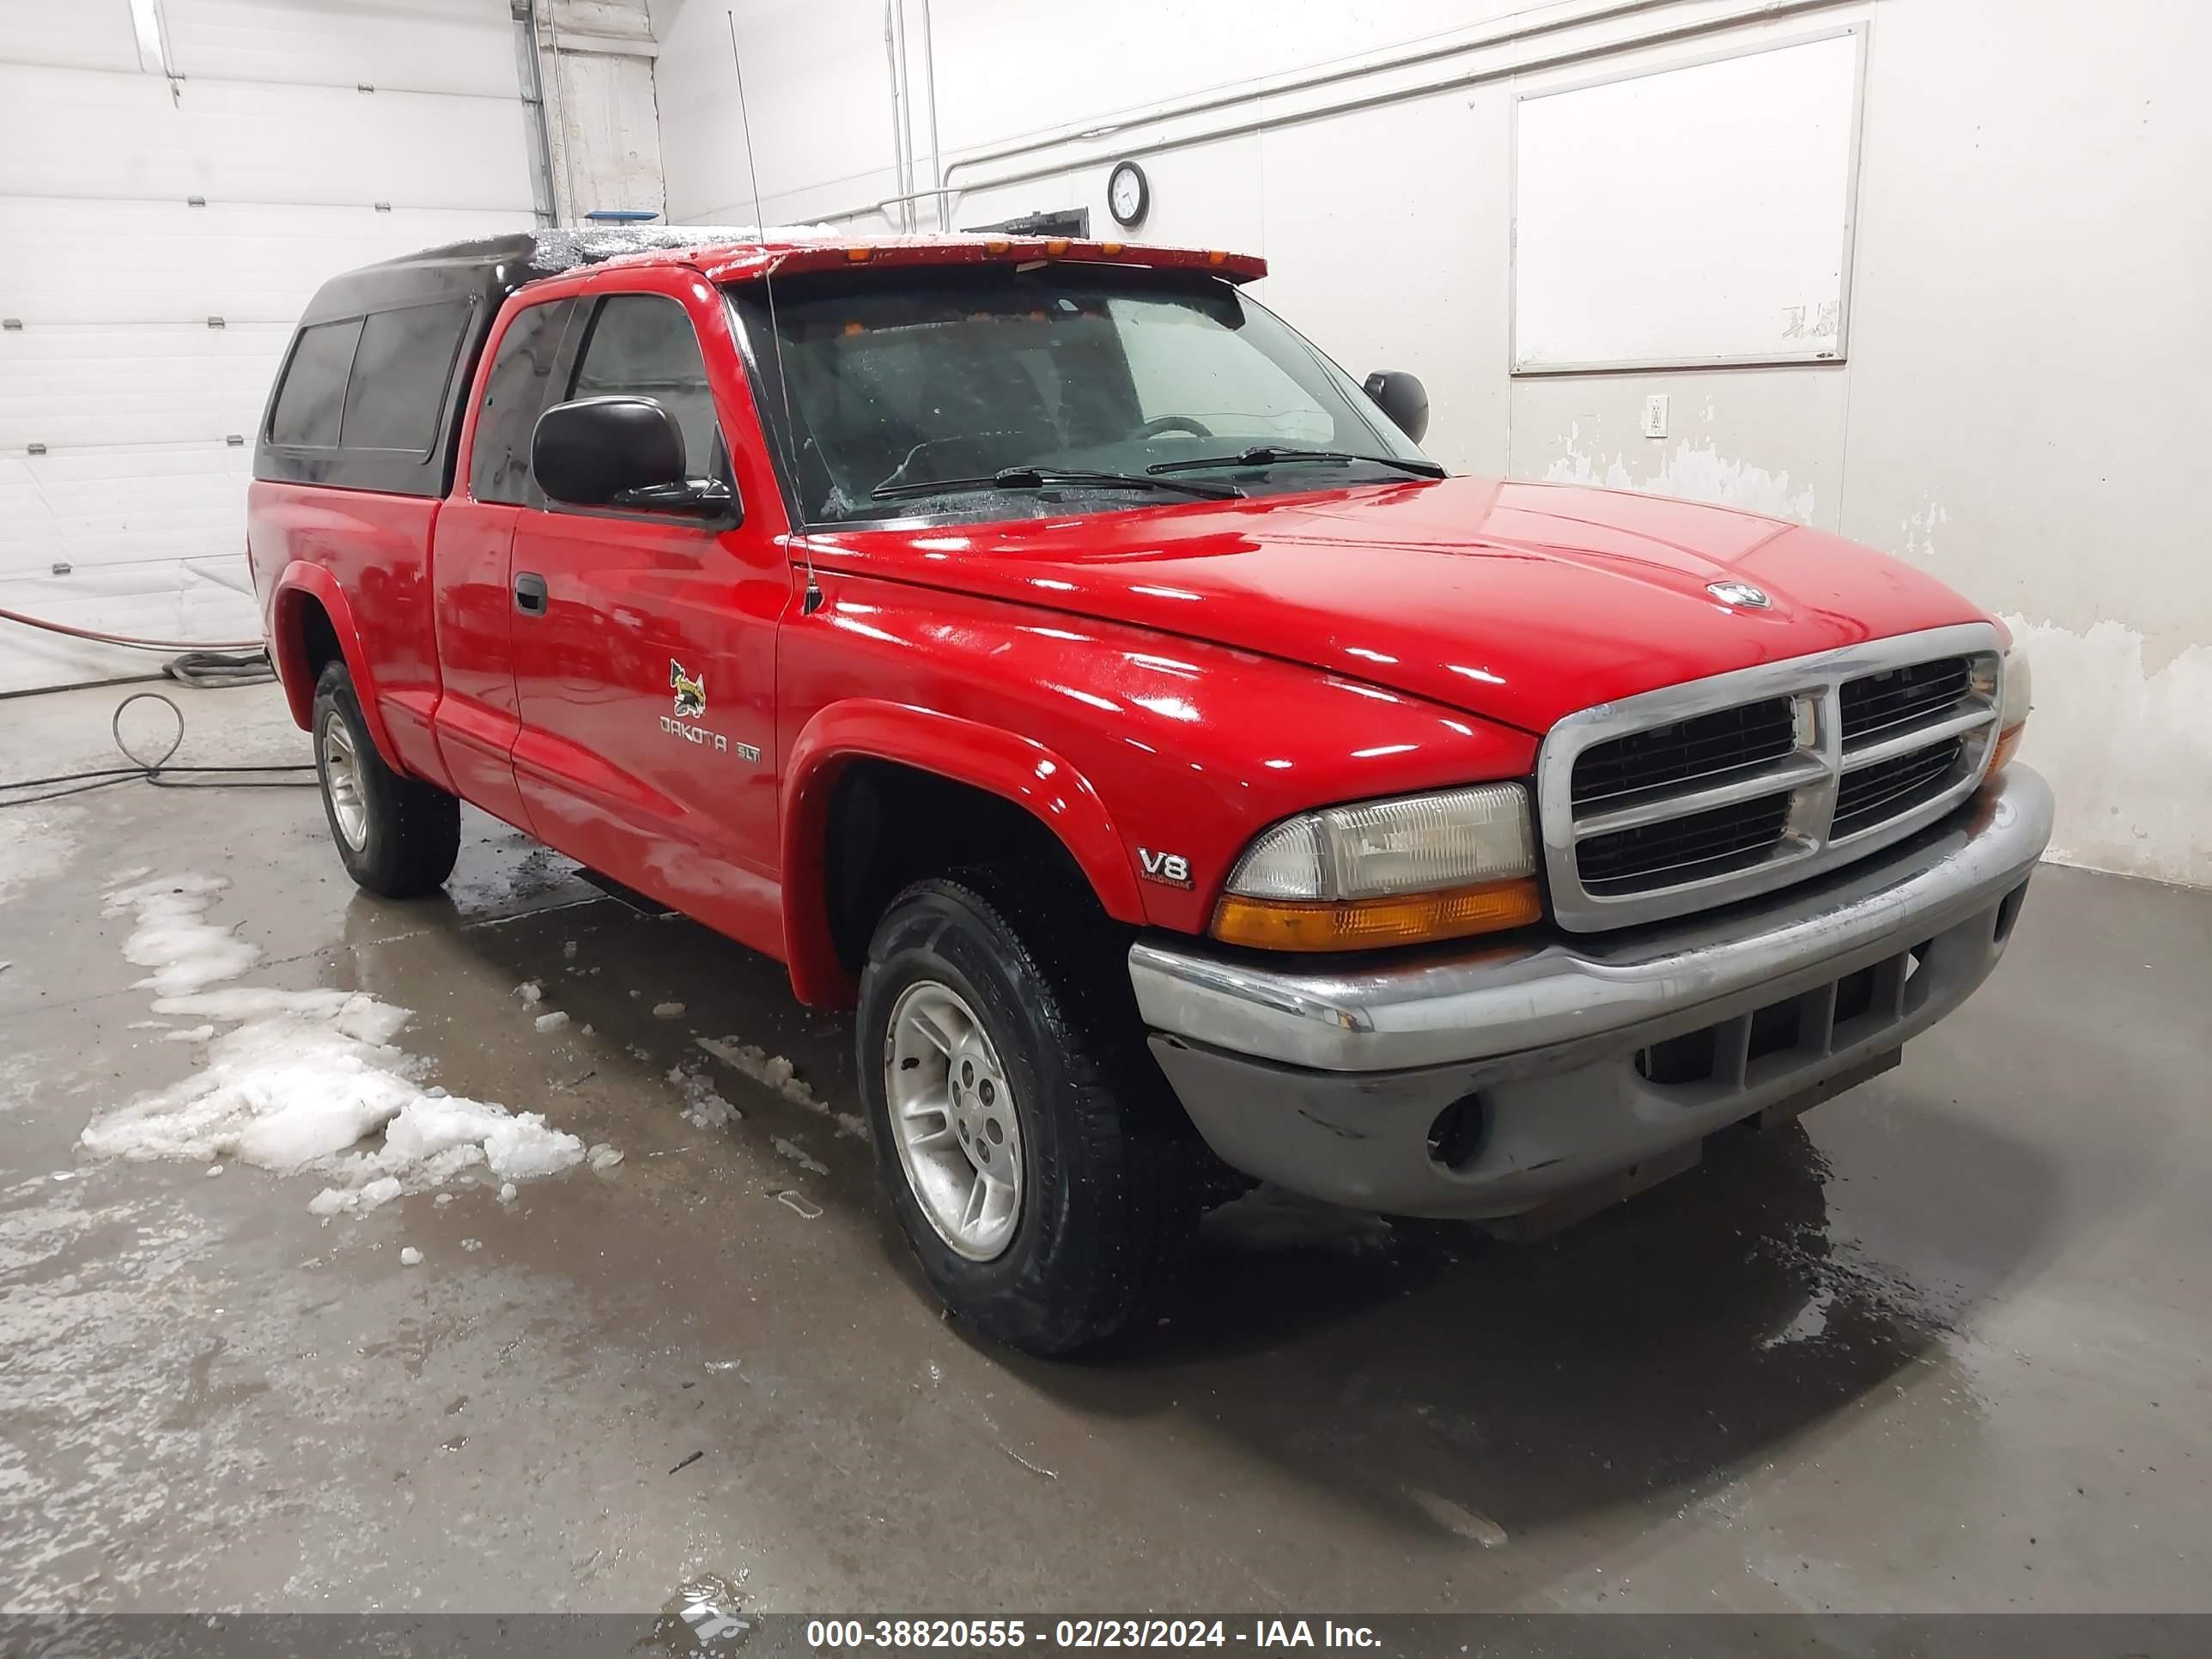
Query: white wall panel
[148, 384]
[78, 35]
[1139, 52]
[815, 74]
[120, 508]
[242, 261]
[444, 46]
[1383, 278]
[87, 133]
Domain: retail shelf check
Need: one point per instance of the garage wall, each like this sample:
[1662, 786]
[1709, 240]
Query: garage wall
[164, 230]
[2032, 249]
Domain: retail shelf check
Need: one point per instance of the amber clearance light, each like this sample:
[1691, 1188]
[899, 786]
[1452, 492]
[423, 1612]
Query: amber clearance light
[1386, 873]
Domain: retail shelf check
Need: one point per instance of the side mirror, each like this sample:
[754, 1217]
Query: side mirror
[621, 452]
[1403, 399]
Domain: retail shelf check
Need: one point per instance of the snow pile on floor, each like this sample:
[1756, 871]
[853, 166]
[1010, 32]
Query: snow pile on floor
[704, 1109]
[173, 937]
[798, 1154]
[304, 1079]
[775, 1072]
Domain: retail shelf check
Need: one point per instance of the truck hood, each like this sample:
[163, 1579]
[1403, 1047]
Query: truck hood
[1518, 602]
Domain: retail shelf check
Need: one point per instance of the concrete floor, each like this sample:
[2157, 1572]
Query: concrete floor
[1941, 1347]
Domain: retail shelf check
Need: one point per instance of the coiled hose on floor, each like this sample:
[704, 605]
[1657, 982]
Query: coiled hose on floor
[157, 771]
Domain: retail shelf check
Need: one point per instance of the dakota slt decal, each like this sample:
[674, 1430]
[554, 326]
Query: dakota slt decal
[689, 691]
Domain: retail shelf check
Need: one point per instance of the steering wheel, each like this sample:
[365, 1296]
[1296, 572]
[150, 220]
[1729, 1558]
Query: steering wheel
[1154, 427]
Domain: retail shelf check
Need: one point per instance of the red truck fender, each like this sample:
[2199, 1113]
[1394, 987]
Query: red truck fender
[1005, 763]
[300, 582]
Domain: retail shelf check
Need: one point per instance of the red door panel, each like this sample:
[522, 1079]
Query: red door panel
[471, 566]
[647, 688]
[476, 720]
[680, 806]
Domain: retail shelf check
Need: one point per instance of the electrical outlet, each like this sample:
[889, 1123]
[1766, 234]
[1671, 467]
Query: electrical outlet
[1654, 415]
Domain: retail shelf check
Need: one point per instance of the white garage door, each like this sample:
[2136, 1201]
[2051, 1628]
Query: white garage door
[168, 202]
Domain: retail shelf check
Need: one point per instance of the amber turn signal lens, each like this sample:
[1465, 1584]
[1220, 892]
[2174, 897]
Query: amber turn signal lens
[2008, 746]
[1374, 924]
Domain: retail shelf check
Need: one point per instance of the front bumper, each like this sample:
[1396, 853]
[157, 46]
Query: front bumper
[1575, 1064]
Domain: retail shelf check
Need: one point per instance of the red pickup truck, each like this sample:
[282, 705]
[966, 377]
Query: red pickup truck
[1040, 647]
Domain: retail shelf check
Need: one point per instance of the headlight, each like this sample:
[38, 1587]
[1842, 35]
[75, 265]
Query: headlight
[2012, 712]
[1387, 872]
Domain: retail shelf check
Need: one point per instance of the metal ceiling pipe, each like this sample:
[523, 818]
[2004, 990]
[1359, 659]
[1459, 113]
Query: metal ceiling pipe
[902, 138]
[527, 69]
[936, 150]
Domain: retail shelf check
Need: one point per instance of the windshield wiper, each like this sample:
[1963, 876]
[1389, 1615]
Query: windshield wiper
[1048, 478]
[1271, 454]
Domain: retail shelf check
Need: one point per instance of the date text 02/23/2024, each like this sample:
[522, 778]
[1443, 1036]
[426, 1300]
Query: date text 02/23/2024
[832, 1634]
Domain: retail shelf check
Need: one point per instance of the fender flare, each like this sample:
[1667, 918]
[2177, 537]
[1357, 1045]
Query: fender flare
[988, 757]
[302, 579]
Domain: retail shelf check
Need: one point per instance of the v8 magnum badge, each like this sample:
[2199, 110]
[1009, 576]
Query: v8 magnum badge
[690, 694]
[689, 691]
[1168, 869]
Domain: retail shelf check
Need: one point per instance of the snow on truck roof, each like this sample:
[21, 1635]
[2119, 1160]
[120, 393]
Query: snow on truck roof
[739, 253]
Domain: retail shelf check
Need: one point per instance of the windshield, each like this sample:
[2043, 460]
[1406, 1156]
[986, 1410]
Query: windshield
[900, 381]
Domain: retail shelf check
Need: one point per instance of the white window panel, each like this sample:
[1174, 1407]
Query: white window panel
[154, 383]
[86, 133]
[456, 46]
[244, 262]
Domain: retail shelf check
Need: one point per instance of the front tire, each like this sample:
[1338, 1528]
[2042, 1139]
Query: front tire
[397, 836]
[1047, 1181]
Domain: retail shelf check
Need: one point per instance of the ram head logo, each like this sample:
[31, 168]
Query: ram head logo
[690, 694]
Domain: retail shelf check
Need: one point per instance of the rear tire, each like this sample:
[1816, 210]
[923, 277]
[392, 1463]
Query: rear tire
[1111, 1179]
[397, 835]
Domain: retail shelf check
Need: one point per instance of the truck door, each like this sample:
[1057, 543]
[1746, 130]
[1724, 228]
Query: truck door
[644, 643]
[478, 721]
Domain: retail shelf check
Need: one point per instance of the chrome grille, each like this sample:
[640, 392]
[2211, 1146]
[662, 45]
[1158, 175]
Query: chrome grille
[1887, 787]
[1876, 703]
[1701, 794]
[1708, 843]
[1684, 751]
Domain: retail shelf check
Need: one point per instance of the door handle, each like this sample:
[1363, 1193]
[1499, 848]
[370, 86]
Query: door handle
[530, 593]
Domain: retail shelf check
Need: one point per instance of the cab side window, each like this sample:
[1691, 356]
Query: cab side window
[642, 345]
[514, 396]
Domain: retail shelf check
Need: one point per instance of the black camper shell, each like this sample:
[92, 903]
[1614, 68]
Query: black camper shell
[371, 392]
